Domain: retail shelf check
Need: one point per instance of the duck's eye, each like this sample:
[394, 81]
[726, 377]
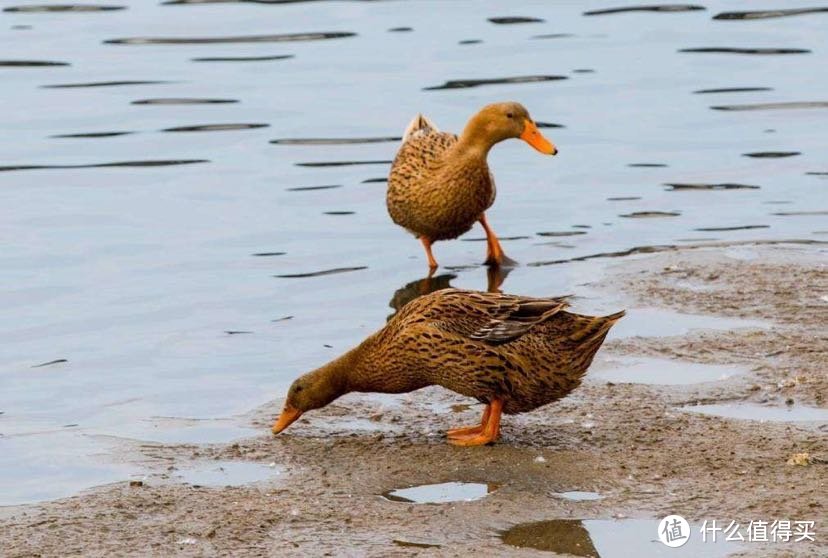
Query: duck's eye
[510, 115]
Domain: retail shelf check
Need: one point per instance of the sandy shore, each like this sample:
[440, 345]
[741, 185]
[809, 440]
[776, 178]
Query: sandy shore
[628, 442]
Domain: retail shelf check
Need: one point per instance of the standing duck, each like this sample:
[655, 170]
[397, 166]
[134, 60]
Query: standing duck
[512, 353]
[440, 184]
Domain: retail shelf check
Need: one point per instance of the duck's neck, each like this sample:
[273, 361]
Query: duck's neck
[476, 140]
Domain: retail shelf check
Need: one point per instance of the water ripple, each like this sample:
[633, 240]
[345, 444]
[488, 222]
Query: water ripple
[275, 38]
[465, 83]
[146, 163]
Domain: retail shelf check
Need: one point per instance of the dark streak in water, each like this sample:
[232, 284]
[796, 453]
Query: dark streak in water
[321, 273]
[553, 36]
[794, 213]
[400, 29]
[341, 163]
[766, 14]
[268, 254]
[237, 332]
[312, 188]
[374, 180]
[734, 50]
[561, 233]
[465, 83]
[772, 154]
[664, 8]
[469, 42]
[699, 186]
[624, 198]
[30, 63]
[816, 173]
[672, 247]
[650, 214]
[51, 362]
[506, 238]
[339, 212]
[515, 19]
[62, 8]
[548, 125]
[333, 141]
[775, 106]
[149, 163]
[183, 101]
[104, 84]
[737, 228]
[215, 127]
[242, 58]
[647, 165]
[93, 135]
[275, 38]
[282, 319]
[732, 90]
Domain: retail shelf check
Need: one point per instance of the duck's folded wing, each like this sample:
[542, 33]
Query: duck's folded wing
[491, 317]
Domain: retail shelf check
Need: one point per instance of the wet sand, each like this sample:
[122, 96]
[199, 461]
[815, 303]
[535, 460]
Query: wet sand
[320, 483]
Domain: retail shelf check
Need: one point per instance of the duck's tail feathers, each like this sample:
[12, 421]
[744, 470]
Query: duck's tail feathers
[420, 124]
[594, 329]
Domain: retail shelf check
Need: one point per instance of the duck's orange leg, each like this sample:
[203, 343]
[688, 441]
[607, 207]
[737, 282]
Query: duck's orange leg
[476, 429]
[432, 263]
[490, 431]
[494, 253]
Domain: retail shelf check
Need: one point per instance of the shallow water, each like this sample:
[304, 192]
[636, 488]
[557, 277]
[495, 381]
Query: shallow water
[441, 493]
[128, 251]
[226, 473]
[662, 371]
[753, 411]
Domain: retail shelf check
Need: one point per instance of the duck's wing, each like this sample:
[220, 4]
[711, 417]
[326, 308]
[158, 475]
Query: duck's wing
[492, 318]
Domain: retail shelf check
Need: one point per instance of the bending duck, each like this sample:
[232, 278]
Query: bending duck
[440, 184]
[512, 353]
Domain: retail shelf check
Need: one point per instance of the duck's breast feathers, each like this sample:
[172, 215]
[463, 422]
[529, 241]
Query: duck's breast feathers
[491, 318]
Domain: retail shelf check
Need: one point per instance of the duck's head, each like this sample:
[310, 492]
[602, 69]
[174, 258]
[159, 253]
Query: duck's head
[501, 121]
[314, 390]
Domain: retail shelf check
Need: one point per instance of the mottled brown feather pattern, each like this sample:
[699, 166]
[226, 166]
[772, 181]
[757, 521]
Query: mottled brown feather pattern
[434, 190]
[525, 351]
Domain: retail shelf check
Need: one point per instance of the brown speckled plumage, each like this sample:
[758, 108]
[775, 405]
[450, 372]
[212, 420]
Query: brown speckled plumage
[522, 352]
[440, 183]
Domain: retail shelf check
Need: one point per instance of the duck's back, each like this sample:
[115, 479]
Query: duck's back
[430, 193]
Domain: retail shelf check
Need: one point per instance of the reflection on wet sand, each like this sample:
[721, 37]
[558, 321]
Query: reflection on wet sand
[564, 536]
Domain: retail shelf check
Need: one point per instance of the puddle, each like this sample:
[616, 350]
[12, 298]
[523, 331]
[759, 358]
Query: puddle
[671, 187]
[514, 19]
[662, 371]
[732, 90]
[764, 413]
[759, 51]
[30, 63]
[35, 9]
[794, 105]
[226, 473]
[441, 493]
[278, 38]
[333, 271]
[663, 8]
[767, 14]
[155, 163]
[579, 496]
[184, 101]
[120, 83]
[772, 154]
[242, 58]
[650, 214]
[466, 83]
[215, 127]
[660, 322]
[334, 141]
[607, 538]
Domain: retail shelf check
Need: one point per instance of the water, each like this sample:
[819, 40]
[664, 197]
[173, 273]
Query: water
[226, 473]
[662, 371]
[441, 493]
[605, 538]
[579, 496]
[138, 180]
[753, 411]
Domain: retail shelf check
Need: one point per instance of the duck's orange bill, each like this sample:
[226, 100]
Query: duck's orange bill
[533, 137]
[289, 414]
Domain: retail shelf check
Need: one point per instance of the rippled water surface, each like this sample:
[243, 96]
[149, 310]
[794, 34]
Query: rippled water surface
[178, 179]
